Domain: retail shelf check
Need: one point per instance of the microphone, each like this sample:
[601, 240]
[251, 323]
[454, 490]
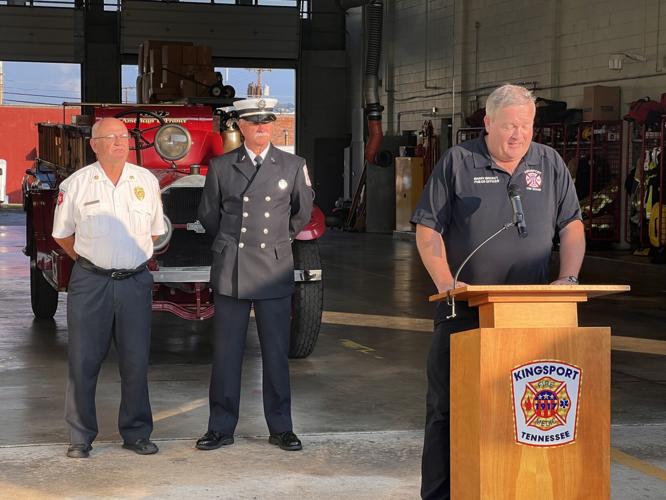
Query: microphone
[518, 214]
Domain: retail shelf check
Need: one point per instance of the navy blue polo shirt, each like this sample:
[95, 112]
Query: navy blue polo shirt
[466, 200]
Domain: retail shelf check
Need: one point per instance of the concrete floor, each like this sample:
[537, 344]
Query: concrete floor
[358, 400]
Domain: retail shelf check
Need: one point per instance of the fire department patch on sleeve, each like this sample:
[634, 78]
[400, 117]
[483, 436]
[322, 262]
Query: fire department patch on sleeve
[139, 193]
[307, 177]
[545, 402]
[61, 197]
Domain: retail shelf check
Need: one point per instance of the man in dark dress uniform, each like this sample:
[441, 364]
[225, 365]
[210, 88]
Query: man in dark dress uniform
[255, 200]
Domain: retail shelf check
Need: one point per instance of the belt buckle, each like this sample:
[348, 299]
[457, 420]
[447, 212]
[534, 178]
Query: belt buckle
[116, 275]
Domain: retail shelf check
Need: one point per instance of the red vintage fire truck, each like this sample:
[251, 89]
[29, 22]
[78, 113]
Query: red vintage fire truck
[175, 142]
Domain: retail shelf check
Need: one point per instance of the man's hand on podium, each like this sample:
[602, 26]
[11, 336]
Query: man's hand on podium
[448, 285]
[566, 280]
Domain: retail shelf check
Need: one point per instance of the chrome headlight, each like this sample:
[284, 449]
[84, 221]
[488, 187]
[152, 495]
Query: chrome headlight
[173, 142]
[163, 240]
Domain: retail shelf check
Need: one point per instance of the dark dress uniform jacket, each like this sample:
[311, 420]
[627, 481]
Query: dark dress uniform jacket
[253, 216]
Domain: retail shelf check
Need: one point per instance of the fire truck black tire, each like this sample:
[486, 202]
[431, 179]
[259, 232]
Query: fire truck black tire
[43, 297]
[307, 302]
[228, 92]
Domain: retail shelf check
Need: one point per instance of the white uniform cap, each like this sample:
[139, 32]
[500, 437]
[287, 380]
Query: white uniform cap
[256, 109]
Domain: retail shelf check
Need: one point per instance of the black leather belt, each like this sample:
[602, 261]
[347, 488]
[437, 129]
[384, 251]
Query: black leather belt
[116, 274]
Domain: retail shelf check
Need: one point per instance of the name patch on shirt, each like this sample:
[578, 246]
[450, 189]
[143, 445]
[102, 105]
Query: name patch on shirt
[486, 180]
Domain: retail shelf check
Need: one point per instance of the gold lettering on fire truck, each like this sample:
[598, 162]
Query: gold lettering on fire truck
[154, 120]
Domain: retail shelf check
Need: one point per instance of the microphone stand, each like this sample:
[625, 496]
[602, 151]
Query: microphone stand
[450, 299]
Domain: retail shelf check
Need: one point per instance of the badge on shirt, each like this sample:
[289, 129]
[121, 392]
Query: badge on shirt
[139, 193]
[61, 197]
[533, 180]
[282, 184]
[307, 177]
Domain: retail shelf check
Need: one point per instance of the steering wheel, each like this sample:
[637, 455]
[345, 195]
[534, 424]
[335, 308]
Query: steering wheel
[137, 133]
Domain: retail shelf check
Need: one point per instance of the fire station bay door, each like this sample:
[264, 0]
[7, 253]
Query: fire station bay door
[3, 181]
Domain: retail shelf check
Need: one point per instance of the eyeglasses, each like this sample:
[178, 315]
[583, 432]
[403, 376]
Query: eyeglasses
[114, 137]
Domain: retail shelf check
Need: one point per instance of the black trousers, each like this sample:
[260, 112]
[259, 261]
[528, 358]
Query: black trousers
[101, 310]
[436, 461]
[274, 325]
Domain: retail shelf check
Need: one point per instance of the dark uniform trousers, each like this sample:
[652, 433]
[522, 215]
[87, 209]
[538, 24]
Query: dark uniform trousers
[99, 310]
[273, 318]
[436, 461]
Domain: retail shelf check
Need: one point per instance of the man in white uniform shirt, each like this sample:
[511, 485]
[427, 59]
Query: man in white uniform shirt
[107, 216]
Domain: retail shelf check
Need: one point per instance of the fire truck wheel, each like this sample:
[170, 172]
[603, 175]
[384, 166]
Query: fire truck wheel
[43, 297]
[228, 92]
[307, 302]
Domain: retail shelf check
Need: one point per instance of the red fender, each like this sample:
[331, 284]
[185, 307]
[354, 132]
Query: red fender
[315, 228]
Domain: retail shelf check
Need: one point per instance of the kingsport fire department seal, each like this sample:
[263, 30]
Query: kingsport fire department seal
[545, 402]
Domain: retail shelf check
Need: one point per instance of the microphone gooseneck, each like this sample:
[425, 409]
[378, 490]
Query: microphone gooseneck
[518, 221]
[450, 300]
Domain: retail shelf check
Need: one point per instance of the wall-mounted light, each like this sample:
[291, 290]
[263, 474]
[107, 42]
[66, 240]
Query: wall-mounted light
[615, 61]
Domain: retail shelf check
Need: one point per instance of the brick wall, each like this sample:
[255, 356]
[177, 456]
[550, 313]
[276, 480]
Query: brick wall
[283, 130]
[18, 143]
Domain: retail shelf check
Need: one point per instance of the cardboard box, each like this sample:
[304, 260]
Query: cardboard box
[189, 55]
[155, 59]
[172, 76]
[204, 55]
[147, 46]
[145, 88]
[172, 56]
[188, 88]
[206, 77]
[139, 89]
[140, 60]
[601, 103]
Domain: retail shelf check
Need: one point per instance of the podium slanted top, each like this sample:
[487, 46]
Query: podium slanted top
[527, 293]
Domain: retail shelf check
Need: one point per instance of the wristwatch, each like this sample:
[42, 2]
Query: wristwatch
[570, 279]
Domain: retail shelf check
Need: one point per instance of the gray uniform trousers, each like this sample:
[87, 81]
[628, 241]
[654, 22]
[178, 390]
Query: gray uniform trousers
[99, 310]
[274, 325]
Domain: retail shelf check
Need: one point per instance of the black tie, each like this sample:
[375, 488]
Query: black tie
[257, 161]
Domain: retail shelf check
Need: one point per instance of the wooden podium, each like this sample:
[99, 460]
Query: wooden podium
[530, 396]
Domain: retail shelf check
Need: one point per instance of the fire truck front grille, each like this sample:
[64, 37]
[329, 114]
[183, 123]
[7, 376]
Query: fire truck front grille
[186, 248]
[181, 204]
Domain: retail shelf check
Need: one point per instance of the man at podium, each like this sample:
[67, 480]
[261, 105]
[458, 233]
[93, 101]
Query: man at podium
[475, 189]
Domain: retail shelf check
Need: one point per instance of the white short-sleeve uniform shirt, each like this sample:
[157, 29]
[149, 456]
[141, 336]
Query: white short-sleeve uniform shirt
[112, 225]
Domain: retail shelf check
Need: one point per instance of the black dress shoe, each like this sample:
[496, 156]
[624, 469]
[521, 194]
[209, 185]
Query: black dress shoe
[212, 440]
[79, 450]
[142, 446]
[286, 441]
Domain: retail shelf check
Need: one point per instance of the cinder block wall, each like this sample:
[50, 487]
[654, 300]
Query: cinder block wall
[554, 46]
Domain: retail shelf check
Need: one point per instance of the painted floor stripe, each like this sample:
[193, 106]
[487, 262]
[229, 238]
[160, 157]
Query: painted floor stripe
[622, 458]
[350, 344]
[184, 408]
[628, 344]
[20, 493]
[387, 322]
[634, 344]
